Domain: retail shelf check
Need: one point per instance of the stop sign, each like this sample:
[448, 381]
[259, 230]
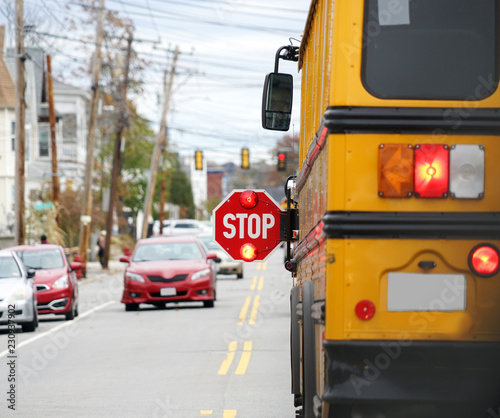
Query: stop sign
[247, 224]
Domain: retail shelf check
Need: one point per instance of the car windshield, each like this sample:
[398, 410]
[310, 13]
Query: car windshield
[168, 251]
[9, 268]
[42, 259]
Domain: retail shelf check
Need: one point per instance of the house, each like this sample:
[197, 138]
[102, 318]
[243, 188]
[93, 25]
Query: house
[71, 107]
[7, 152]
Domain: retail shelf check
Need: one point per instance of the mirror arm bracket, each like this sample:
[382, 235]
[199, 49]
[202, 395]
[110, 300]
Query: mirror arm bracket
[291, 54]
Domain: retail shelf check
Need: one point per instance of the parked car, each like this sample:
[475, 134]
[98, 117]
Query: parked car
[227, 264]
[55, 279]
[17, 292]
[156, 226]
[183, 227]
[169, 269]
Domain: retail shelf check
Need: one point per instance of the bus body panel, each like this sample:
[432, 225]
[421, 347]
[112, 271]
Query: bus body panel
[355, 245]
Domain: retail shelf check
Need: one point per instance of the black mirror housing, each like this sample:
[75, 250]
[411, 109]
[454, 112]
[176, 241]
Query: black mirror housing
[277, 101]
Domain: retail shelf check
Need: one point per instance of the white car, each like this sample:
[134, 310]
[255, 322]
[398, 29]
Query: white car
[17, 293]
[227, 264]
[182, 227]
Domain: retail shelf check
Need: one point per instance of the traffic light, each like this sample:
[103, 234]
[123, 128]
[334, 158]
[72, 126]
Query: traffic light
[245, 158]
[281, 161]
[198, 160]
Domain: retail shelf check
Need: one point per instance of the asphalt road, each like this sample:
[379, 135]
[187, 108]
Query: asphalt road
[182, 361]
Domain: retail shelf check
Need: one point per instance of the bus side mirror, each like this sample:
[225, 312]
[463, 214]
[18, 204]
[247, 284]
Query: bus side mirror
[277, 101]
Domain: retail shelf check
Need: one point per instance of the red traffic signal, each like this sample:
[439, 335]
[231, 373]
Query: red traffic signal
[281, 161]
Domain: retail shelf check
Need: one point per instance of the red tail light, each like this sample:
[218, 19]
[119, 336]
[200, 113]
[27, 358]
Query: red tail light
[365, 309]
[248, 252]
[431, 170]
[484, 260]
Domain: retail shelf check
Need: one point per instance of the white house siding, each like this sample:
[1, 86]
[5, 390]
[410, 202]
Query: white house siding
[7, 173]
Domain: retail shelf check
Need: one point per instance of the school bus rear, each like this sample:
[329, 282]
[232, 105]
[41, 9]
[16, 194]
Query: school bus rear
[399, 198]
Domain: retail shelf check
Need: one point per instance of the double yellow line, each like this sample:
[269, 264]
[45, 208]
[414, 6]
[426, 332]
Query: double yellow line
[244, 359]
[257, 285]
[228, 413]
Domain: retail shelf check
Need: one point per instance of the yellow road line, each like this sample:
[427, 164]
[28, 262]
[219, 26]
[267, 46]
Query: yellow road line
[261, 283]
[244, 310]
[205, 412]
[255, 307]
[264, 265]
[254, 283]
[226, 363]
[245, 358]
[229, 413]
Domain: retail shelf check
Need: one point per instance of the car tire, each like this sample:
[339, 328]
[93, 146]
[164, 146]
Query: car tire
[239, 275]
[208, 303]
[30, 326]
[130, 307]
[69, 316]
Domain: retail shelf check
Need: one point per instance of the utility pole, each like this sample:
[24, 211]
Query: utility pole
[160, 145]
[118, 145]
[52, 121]
[20, 121]
[89, 168]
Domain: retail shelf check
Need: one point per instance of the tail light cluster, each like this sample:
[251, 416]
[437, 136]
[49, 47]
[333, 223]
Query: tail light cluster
[431, 171]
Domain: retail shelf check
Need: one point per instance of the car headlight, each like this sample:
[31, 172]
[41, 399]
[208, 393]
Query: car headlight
[201, 274]
[134, 277]
[19, 293]
[61, 283]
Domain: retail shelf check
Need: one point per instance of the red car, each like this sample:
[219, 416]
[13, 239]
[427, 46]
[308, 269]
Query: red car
[55, 279]
[169, 269]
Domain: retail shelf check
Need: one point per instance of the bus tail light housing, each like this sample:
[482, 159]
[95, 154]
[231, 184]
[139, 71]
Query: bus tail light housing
[365, 309]
[395, 174]
[431, 170]
[467, 171]
[484, 260]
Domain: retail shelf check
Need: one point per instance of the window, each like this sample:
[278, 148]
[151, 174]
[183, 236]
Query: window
[430, 49]
[44, 143]
[13, 134]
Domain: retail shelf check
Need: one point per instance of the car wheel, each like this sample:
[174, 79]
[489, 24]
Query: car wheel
[208, 303]
[131, 307]
[239, 275]
[71, 314]
[29, 326]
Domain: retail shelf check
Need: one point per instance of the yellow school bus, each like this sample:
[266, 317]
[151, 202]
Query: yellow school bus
[395, 306]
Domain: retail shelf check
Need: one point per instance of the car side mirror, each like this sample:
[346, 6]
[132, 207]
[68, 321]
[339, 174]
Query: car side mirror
[124, 259]
[277, 102]
[31, 273]
[214, 257]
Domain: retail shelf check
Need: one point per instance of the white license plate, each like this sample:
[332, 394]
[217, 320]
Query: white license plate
[168, 291]
[408, 292]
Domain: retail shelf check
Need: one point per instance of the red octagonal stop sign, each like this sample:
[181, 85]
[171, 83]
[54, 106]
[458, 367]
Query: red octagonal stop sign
[247, 224]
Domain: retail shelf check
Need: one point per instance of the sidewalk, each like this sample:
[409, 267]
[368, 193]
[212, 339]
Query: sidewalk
[95, 271]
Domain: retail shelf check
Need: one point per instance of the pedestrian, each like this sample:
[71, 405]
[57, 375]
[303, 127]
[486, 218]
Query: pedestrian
[43, 239]
[101, 242]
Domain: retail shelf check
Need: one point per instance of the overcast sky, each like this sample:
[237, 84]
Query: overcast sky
[227, 47]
